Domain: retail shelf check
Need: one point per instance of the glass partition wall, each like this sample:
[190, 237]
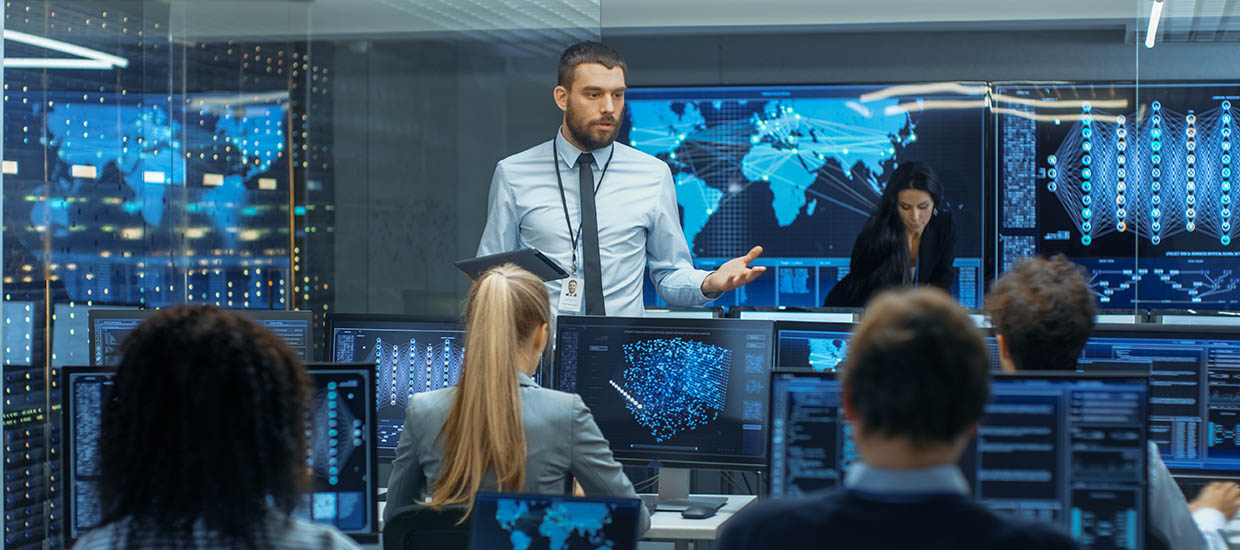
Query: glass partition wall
[326, 156]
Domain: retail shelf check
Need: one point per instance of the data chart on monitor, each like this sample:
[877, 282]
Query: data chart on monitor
[1133, 184]
[799, 169]
[665, 390]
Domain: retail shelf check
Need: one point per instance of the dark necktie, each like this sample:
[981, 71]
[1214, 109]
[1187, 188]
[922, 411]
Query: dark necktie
[589, 238]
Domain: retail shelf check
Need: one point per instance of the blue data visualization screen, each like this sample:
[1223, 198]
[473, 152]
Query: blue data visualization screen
[1063, 449]
[557, 522]
[1133, 184]
[409, 357]
[673, 390]
[798, 169]
[1194, 392]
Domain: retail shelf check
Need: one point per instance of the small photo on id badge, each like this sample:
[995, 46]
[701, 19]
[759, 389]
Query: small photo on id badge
[570, 295]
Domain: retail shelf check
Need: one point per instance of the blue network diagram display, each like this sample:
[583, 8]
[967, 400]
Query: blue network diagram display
[1194, 391]
[408, 356]
[150, 199]
[798, 169]
[1133, 184]
[521, 522]
[1062, 449]
[341, 450]
[672, 390]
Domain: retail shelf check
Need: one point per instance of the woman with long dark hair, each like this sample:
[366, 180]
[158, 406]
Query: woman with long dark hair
[909, 240]
[203, 442]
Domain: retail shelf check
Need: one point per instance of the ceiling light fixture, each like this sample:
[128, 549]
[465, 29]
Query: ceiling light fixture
[1155, 15]
[87, 58]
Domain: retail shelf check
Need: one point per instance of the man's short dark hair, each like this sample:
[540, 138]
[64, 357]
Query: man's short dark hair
[588, 52]
[917, 368]
[1045, 312]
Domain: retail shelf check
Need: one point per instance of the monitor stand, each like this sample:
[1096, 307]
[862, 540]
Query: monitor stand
[674, 493]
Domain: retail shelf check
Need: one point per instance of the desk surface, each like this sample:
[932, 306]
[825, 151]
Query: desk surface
[670, 526]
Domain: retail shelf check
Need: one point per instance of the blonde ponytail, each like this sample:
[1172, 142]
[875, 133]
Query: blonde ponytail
[483, 432]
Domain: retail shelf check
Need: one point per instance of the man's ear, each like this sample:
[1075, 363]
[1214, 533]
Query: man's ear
[561, 97]
[1005, 354]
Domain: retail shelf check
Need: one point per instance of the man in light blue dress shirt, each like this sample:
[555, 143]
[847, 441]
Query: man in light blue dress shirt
[535, 200]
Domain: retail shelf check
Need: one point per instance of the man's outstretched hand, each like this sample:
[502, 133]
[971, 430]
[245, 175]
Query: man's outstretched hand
[733, 274]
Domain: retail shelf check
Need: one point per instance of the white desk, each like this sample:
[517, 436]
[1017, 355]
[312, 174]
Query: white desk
[669, 526]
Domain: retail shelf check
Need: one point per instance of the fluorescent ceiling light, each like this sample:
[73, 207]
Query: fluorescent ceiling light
[1155, 15]
[88, 58]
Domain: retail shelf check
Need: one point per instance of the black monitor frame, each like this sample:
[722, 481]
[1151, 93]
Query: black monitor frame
[667, 459]
[779, 365]
[258, 315]
[67, 442]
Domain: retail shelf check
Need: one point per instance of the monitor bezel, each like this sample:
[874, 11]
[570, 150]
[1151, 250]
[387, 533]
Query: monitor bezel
[660, 459]
[818, 326]
[253, 314]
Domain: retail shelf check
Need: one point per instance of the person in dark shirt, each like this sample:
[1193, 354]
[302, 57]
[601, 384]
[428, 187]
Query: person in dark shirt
[909, 240]
[915, 381]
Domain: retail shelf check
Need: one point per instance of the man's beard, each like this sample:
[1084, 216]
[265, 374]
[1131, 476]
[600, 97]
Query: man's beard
[584, 137]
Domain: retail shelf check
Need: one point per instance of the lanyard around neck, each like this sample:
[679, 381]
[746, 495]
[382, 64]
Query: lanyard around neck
[575, 238]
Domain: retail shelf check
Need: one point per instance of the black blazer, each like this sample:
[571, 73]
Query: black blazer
[935, 257]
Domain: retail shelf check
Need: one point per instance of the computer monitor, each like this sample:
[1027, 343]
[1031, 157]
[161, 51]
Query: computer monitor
[394, 345]
[1061, 448]
[799, 169]
[821, 347]
[821, 315]
[108, 329]
[676, 393]
[1197, 317]
[1194, 390]
[520, 521]
[340, 448]
[810, 347]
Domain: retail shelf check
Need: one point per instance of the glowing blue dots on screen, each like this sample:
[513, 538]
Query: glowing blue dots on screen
[1087, 160]
[1225, 239]
[1122, 173]
[1227, 158]
[1156, 133]
[1120, 200]
[1155, 200]
[1087, 173]
[1087, 132]
[1085, 240]
[1191, 172]
[1122, 146]
[1087, 213]
[1087, 146]
[1155, 186]
[1155, 239]
[1052, 173]
[1226, 199]
[1226, 172]
[1086, 186]
[1191, 146]
[1155, 212]
[1226, 186]
[1087, 226]
[1086, 200]
[1052, 187]
[1155, 146]
[1122, 213]
[1051, 160]
[1121, 227]
[1190, 226]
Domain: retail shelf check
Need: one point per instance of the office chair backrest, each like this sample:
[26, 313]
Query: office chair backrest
[419, 527]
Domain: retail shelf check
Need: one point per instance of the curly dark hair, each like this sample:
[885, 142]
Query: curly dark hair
[917, 368]
[206, 424]
[1045, 312]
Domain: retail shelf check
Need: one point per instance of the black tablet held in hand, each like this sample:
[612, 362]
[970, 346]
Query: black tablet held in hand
[529, 259]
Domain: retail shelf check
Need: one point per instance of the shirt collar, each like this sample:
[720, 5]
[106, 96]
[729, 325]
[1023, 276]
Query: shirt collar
[935, 480]
[525, 380]
[570, 152]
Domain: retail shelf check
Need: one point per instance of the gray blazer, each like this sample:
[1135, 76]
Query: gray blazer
[561, 438]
